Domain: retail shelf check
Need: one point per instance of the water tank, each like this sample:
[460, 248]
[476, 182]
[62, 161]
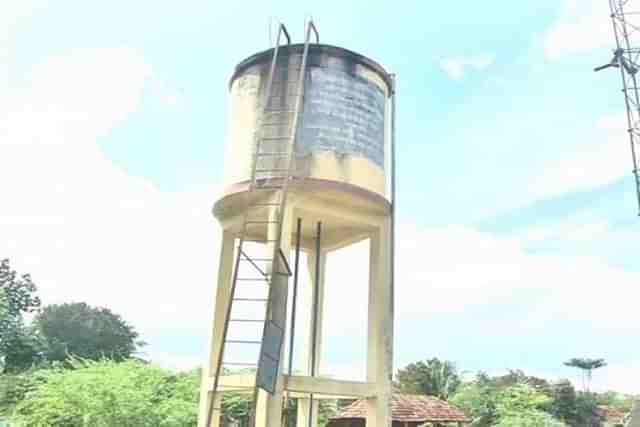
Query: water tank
[342, 148]
[343, 140]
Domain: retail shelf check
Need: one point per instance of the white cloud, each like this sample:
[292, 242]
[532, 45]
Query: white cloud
[597, 163]
[456, 67]
[86, 230]
[582, 26]
[176, 362]
[569, 232]
[621, 377]
[167, 95]
[601, 158]
[457, 270]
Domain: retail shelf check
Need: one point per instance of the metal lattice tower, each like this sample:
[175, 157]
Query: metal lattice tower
[625, 16]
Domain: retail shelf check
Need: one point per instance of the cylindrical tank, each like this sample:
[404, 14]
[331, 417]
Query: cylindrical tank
[342, 134]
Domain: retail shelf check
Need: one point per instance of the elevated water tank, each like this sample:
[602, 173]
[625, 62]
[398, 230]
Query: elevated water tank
[342, 146]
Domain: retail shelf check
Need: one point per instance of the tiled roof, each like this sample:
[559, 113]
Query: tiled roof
[610, 413]
[410, 408]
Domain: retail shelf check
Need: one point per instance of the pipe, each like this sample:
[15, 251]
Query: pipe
[392, 251]
[314, 324]
[295, 295]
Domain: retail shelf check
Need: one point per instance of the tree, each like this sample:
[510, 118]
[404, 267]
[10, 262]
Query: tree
[575, 409]
[84, 331]
[491, 402]
[17, 297]
[107, 393]
[522, 405]
[477, 400]
[514, 377]
[563, 405]
[586, 366]
[25, 349]
[431, 377]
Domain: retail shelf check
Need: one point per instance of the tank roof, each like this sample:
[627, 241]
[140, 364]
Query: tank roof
[313, 48]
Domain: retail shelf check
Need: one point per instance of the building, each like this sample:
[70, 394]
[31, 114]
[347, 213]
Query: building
[407, 410]
[611, 416]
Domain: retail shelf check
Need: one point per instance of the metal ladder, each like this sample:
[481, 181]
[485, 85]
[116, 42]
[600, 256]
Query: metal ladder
[272, 170]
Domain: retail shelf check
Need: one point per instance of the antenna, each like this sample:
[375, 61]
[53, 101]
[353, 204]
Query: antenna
[626, 30]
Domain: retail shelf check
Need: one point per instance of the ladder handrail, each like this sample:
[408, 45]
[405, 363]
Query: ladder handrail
[265, 98]
[283, 199]
[216, 380]
[315, 30]
[277, 263]
[283, 29]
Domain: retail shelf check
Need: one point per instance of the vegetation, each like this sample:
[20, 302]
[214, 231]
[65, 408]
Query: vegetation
[18, 348]
[106, 393]
[586, 366]
[84, 331]
[236, 408]
[72, 366]
[521, 405]
[432, 377]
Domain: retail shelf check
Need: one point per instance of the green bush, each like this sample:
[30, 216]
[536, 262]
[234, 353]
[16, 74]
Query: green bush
[107, 394]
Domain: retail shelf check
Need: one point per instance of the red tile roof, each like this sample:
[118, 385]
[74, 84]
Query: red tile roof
[610, 413]
[410, 408]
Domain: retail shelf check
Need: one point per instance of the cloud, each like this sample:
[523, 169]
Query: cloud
[621, 377]
[86, 230]
[598, 161]
[167, 95]
[491, 288]
[456, 67]
[582, 26]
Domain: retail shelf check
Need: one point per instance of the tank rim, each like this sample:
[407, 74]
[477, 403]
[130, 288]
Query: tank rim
[340, 51]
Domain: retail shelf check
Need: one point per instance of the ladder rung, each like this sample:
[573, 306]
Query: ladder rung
[247, 320]
[278, 123]
[251, 299]
[273, 175]
[252, 279]
[238, 387]
[282, 273]
[260, 240]
[278, 154]
[239, 364]
[274, 138]
[242, 342]
[250, 259]
[267, 187]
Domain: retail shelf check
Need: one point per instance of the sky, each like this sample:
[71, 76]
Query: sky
[517, 220]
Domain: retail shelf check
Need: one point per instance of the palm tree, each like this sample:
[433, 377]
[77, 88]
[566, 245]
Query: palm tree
[432, 377]
[586, 366]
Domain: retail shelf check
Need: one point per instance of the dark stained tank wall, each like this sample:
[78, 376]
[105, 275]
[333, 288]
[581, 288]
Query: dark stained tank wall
[343, 133]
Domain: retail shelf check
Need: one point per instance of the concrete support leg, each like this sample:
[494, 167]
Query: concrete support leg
[380, 327]
[215, 340]
[304, 413]
[269, 406]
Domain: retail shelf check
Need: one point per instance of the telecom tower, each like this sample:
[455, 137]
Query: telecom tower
[309, 168]
[625, 15]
